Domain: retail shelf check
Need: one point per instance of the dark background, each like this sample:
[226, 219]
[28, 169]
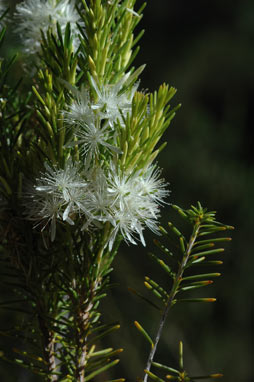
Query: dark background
[205, 49]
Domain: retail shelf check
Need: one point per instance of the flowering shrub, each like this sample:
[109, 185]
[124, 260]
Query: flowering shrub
[77, 176]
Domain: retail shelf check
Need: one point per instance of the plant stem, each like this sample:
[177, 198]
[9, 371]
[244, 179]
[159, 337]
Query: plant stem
[49, 350]
[172, 294]
[101, 262]
[82, 346]
[83, 318]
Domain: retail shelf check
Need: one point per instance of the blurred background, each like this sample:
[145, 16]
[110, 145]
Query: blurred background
[206, 50]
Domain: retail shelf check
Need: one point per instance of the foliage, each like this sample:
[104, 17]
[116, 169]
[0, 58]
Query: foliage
[78, 176]
[184, 257]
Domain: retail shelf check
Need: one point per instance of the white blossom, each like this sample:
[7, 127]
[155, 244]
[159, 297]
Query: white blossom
[135, 200]
[35, 16]
[124, 224]
[121, 186]
[89, 132]
[43, 209]
[129, 202]
[149, 183]
[98, 200]
[112, 102]
[91, 137]
[79, 112]
[66, 185]
[57, 194]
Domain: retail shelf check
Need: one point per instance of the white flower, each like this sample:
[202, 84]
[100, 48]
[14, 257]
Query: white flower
[91, 135]
[123, 223]
[121, 186]
[79, 112]
[149, 183]
[98, 200]
[135, 203]
[112, 102]
[66, 185]
[44, 209]
[36, 15]
[57, 194]
[91, 138]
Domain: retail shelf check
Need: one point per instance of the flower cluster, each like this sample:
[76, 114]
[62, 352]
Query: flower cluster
[94, 121]
[127, 202]
[34, 16]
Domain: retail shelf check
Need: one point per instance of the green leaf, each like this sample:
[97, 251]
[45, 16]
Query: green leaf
[175, 230]
[164, 367]
[100, 370]
[100, 352]
[212, 240]
[211, 262]
[154, 291]
[205, 299]
[162, 247]
[153, 376]
[207, 253]
[100, 336]
[144, 332]
[163, 265]
[201, 247]
[196, 285]
[202, 276]
[210, 376]
[155, 285]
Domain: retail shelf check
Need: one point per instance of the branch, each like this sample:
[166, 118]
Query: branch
[172, 294]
